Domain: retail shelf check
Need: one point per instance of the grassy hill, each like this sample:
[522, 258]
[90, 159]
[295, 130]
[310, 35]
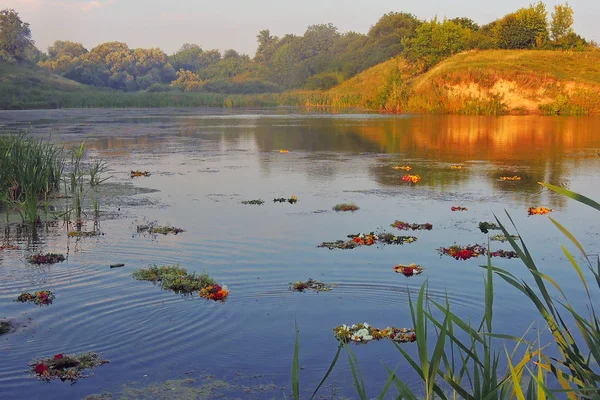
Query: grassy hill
[482, 82]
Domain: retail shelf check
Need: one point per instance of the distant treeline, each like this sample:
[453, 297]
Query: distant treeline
[317, 60]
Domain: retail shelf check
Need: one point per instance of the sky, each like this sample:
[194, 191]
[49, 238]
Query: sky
[234, 24]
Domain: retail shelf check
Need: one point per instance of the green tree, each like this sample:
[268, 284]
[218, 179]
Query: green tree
[436, 40]
[562, 21]
[523, 29]
[15, 36]
[385, 37]
[66, 48]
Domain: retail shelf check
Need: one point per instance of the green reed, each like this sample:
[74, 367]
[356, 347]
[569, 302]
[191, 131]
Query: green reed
[30, 169]
[464, 360]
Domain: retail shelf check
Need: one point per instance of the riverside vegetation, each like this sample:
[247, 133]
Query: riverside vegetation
[524, 62]
[465, 360]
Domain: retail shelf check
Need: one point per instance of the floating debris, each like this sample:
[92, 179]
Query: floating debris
[158, 229]
[404, 226]
[137, 173]
[473, 251]
[284, 151]
[402, 167]
[538, 210]
[408, 270]
[48, 258]
[255, 202]
[411, 178]
[345, 207]
[311, 284]
[117, 265]
[502, 238]
[83, 234]
[41, 298]
[291, 200]
[456, 167]
[66, 367]
[367, 239]
[5, 327]
[9, 247]
[485, 227]
[458, 208]
[510, 178]
[177, 279]
[363, 333]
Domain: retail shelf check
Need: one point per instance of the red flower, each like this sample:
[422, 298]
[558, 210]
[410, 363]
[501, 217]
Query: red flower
[41, 368]
[407, 271]
[413, 337]
[58, 356]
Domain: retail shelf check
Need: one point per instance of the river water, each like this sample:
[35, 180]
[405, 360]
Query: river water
[204, 163]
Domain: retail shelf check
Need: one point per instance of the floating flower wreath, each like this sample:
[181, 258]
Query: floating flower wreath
[408, 270]
[368, 239]
[214, 292]
[404, 226]
[345, 207]
[364, 333]
[65, 367]
[158, 229]
[137, 173]
[8, 247]
[472, 251]
[502, 238]
[458, 208]
[48, 258]
[510, 178]
[284, 151]
[411, 178]
[83, 233]
[43, 297]
[402, 167]
[456, 167]
[538, 210]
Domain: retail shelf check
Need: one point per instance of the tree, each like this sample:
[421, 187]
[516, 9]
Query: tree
[523, 29]
[562, 21]
[66, 48]
[387, 34]
[15, 36]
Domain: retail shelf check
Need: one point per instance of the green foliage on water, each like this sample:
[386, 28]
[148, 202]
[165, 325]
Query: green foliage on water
[4, 327]
[174, 278]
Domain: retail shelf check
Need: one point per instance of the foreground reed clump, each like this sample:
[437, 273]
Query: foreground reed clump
[473, 360]
[30, 169]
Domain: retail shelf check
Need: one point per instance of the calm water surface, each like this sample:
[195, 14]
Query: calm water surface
[205, 162]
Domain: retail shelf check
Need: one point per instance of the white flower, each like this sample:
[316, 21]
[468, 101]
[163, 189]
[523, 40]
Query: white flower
[353, 326]
[366, 325]
[364, 334]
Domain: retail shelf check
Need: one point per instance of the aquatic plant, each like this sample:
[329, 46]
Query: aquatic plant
[42, 297]
[485, 227]
[96, 168]
[83, 233]
[30, 170]
[311, 284]
[346, 207]
[291, 200]
[404, 226]
[253, 202]
[66, 367]
[48, 258]
[363, 333]
[408, 270]
[159, 229]
[503, 238]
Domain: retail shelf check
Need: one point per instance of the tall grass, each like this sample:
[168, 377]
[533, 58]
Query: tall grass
[472, 362]
[30, 169]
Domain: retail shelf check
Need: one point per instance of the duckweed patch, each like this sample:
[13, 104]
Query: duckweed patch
[291, 200]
